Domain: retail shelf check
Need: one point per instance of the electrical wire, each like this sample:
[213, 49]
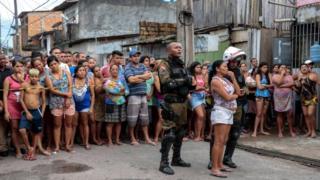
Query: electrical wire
[41, 5]
[6, 8]
[8, 34]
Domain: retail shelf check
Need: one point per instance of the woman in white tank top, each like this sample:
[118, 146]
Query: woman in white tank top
[224, 95]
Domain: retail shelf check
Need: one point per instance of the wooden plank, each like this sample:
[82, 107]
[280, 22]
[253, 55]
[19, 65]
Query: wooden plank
[210, 13]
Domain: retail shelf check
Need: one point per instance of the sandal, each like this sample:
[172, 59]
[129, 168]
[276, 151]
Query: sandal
[225, 170]
[219, 175]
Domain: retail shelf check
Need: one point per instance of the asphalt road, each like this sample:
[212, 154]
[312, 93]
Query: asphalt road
[141, 162]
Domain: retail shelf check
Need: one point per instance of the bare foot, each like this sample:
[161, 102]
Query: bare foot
[69, 149]
[198, 139]
[109, 144]
[151, 143]
[253, 135]
[293, 134]
[307, 134]
[49, 149]
[134, 143]
[313, 135]
[44, 152]
[30, 156]
[19, 156]
[280, 135]
[55, 151]
[87, 147]
[265, 133]
[118, 143]
[96, 142]
[156, 141]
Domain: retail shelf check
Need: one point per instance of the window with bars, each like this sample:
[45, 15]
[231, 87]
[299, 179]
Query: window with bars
[303, 37]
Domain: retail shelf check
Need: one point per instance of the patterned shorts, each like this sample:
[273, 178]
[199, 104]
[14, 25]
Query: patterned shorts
[137, 108]
[65, 111]
[115, 113]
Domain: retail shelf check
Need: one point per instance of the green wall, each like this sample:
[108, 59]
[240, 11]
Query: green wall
[212, 56]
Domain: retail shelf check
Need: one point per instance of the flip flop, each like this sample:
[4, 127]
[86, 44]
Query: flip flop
[219, 175]
[225, 170]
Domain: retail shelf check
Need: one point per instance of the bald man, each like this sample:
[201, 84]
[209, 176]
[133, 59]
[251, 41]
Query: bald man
[176, 84]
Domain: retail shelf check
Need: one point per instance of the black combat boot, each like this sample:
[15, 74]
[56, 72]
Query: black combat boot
[227, 159]
[176, 158]
[165, 148]
[231, 145]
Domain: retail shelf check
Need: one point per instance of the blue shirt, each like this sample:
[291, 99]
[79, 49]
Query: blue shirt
[265, 92]
[135, 88]
[72, 69]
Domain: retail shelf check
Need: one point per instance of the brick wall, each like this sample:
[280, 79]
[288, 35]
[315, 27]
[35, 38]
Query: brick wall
[154, 29]
[34, 23]
[42, 22]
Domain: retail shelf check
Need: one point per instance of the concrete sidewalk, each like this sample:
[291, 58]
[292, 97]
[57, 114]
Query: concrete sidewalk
[296, 147]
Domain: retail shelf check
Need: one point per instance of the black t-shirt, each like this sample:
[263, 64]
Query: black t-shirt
[3, 74]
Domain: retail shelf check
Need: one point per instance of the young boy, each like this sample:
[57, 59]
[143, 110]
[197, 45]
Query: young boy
[32, 99]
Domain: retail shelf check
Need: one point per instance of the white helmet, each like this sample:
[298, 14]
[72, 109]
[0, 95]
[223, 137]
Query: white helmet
[232, 53]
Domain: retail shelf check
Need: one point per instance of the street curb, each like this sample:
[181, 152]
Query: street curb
[315, 163]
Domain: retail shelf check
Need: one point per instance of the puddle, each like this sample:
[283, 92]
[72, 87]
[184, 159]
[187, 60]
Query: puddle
[60, 167]
[43, 171]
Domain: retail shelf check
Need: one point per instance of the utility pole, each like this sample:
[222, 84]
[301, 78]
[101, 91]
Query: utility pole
[185, 29]
[17, 43]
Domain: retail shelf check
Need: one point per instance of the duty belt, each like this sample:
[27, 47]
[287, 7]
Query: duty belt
[169, 98]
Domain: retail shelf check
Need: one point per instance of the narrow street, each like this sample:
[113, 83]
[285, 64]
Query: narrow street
[128, 162]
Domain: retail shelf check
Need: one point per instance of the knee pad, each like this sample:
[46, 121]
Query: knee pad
[181, 133]
[169, 136]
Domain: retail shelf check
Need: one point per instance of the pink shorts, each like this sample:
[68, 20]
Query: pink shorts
[66, 111]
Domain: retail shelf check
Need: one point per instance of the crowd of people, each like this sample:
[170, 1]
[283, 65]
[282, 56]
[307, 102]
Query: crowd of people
[66, 98]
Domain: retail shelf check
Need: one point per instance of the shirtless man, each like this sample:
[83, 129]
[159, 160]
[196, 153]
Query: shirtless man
[32, 99]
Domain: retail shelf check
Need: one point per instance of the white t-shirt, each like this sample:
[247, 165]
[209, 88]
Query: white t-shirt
[64, 67]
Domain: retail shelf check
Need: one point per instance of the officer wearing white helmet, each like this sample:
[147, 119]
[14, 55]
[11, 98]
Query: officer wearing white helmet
[233, 56]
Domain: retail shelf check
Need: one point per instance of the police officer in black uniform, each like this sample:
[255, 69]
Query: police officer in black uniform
[176, 84]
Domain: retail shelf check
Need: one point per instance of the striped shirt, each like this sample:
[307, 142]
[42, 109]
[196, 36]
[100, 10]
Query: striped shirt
[136, 88]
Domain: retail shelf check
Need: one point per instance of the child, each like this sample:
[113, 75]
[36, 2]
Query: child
[32, 99]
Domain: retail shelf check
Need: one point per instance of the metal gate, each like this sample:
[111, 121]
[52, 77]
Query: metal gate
[303, 37]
